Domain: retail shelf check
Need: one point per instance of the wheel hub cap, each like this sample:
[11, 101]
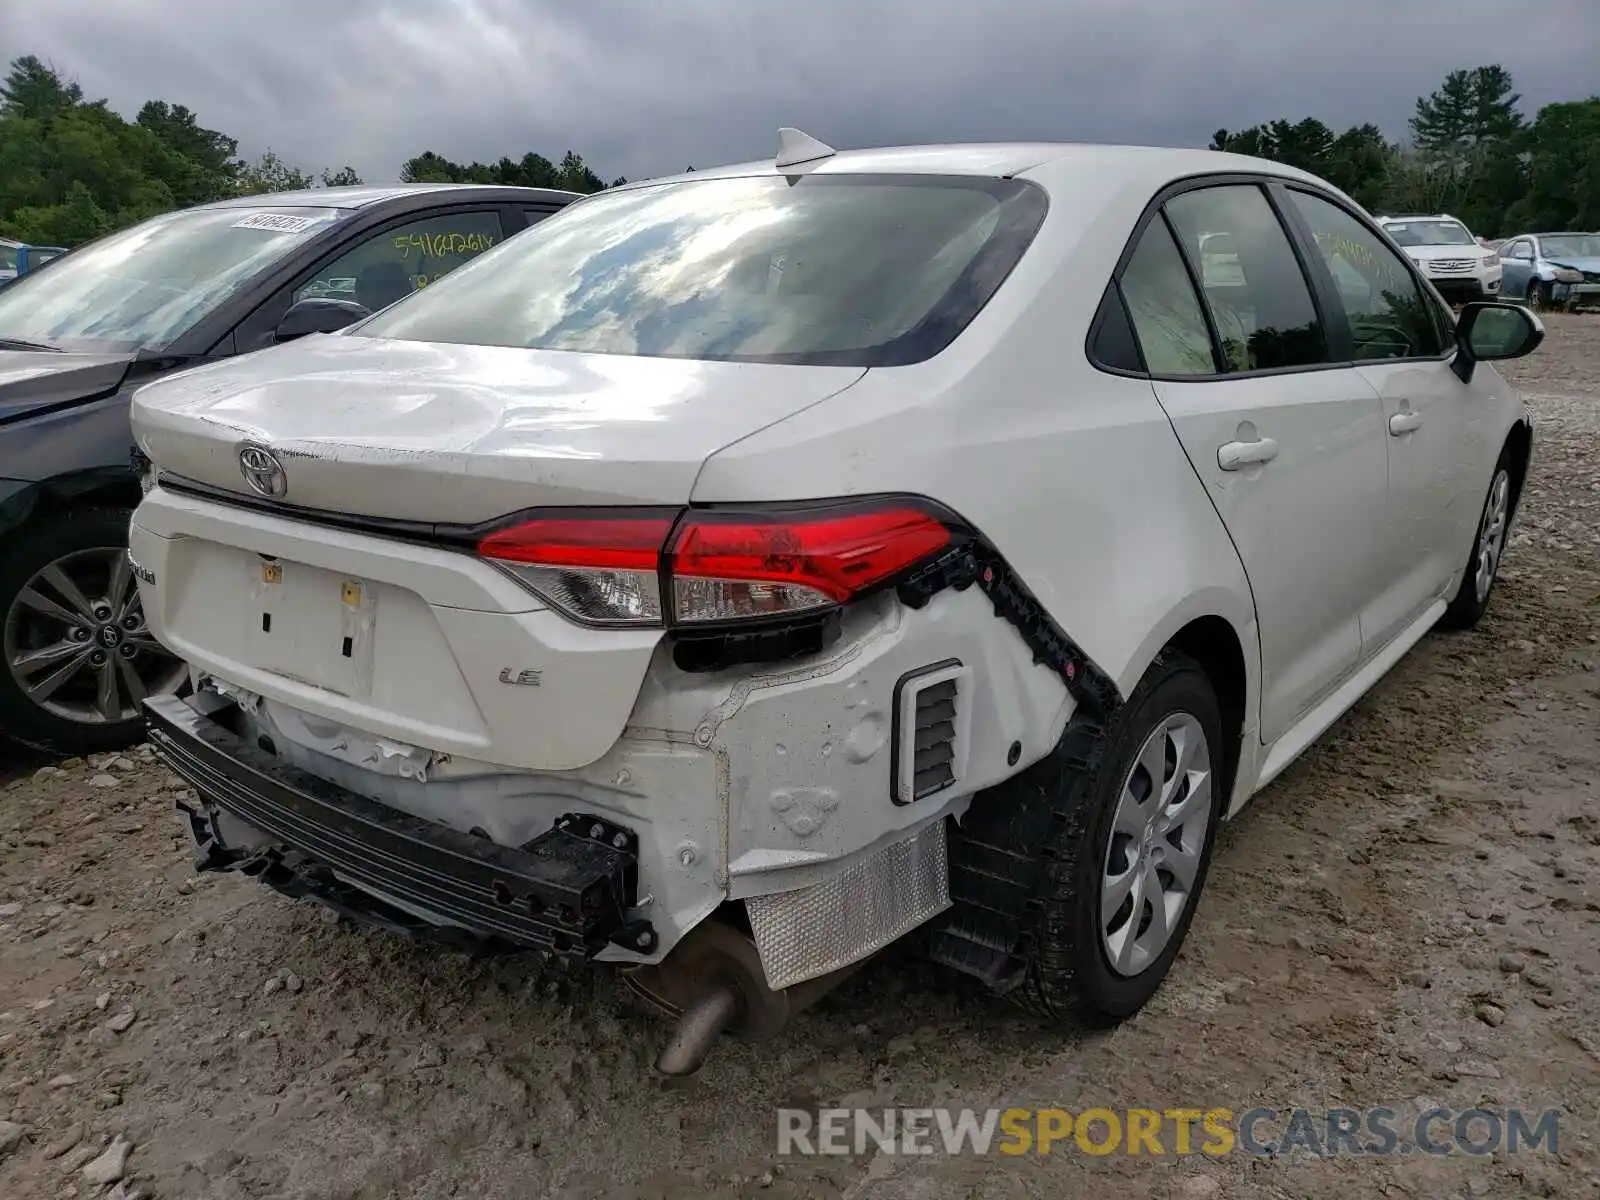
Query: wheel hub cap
[1158, 839]
[1492, 534]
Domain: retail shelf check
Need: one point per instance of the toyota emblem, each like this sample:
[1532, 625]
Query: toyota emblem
[262, 471]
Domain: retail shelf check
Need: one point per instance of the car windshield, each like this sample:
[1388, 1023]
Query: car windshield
[143, 287]
[1571, 245]
[1429, 233]
[862, 270]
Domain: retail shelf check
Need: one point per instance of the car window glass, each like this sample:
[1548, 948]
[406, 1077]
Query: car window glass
[399, 259]
[8, 258]
[841, 270]
[1166, 313]
[534, 215]
[1389, 316]
[1255, 289]
[1573, 245]
[1520, 250]
[147, 285]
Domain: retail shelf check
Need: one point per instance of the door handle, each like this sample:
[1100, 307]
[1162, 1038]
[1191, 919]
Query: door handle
[1404, 422]
[1243, 454]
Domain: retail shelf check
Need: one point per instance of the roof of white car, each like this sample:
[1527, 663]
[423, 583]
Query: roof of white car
[1005, 159]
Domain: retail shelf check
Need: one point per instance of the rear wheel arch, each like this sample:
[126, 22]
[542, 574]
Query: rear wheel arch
[1213, 642]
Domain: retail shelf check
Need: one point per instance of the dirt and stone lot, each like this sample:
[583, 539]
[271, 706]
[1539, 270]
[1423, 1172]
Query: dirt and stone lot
[1410, 917]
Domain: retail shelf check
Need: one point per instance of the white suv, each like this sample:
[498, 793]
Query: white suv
[1456, 262]
[737, 572]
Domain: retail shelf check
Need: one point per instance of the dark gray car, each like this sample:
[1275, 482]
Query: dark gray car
[174, 291]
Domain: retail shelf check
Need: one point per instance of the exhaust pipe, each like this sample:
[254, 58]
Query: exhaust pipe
[713, 983]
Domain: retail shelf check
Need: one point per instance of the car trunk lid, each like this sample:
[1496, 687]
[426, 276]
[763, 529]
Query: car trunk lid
[460, 434]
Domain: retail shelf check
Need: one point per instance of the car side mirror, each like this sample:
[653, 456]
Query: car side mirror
[318, 314]
[1490, 330]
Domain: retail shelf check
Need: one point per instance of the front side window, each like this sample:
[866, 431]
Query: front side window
[1166, 313]
[1429, 233]
[402, 259]
[1388, 313]
[1518, 250]
[144, 287]
[853, 270]
[1257, 294]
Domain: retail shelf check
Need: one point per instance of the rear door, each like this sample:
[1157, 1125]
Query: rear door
[1434, 425]
[1289, 445]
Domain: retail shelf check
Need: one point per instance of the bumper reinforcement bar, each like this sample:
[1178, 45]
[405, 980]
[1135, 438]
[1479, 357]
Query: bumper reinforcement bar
[568, 891]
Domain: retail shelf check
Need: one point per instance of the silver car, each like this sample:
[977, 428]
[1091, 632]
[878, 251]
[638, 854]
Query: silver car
[1551, 270]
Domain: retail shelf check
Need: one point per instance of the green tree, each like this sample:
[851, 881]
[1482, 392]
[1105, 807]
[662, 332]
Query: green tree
[1470, 107]
[34, 90]
[532, 170]
[344, 177]
[1563, 169]
[269, 173]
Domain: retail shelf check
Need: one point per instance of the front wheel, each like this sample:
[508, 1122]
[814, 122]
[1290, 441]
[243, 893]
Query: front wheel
[1538, 297]
[76, 657]
[1471, 600]
[1133, 851]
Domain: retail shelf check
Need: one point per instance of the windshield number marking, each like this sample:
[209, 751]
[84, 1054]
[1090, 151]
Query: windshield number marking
[276, 223]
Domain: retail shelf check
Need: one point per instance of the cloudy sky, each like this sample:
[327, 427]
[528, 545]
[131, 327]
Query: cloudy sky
[644, 87]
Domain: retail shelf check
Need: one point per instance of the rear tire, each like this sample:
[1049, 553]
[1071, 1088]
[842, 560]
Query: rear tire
[1471, 600]
[1114, 848]
[75, 654]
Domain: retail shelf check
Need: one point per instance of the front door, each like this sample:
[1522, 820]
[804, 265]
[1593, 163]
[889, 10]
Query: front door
[1433, 428]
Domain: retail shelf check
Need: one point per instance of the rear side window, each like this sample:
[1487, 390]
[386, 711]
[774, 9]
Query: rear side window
[1165, 311]
[401, 259]
[1251, 279]
[1390, 317]
[851, 270]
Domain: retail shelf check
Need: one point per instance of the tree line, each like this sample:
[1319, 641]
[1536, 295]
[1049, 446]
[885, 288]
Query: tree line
[72, 169]
[1471, 153]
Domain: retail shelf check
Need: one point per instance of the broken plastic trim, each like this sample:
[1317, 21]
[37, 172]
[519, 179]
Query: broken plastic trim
[976, 562]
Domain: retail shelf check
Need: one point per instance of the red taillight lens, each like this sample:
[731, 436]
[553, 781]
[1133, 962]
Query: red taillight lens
[731, 566]
[600, 569]
[724, 565]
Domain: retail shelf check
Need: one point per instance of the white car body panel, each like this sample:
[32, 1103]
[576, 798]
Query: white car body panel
[466, 433]
[1102, 492]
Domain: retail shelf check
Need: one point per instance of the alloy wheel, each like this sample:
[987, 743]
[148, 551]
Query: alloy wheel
[76, 642]
[1157, 843]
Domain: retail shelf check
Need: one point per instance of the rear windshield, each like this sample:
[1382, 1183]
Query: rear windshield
[1429, 233]
[858, 270]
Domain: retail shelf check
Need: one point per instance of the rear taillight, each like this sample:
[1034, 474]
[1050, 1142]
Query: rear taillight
[602, 569]
[742, 565]
[718, 565]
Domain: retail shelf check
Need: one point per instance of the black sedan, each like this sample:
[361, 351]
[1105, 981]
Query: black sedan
[174, 291]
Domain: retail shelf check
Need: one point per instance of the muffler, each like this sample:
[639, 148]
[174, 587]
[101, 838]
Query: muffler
[713, 983]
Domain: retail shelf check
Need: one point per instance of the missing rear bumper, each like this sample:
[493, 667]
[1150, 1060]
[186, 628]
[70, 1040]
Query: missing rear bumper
[568, 891]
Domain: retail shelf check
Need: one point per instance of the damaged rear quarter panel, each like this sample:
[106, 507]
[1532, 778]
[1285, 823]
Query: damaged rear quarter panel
[1073, 475]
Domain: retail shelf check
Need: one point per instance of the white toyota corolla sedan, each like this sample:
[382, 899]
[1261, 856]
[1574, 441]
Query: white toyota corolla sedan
[735, 573]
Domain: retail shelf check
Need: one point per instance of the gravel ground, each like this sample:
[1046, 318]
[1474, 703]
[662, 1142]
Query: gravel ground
[1409, 916]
